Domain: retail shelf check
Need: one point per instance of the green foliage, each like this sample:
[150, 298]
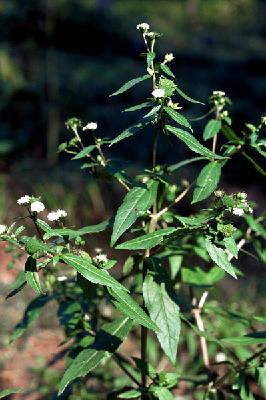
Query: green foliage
[167, 286]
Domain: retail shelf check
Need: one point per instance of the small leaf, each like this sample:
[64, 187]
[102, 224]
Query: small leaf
[130, 394]
[131, 130]
[139, 106]
[43, 225]
[8, 392]
[161, 393]
[84, 152]
[207, 181]
[128, 306]
[90, 272]
[130, 84]
[197, 277]
[219, 256]
[19, 283]
[136, 202]
[254, 163]
[211, 129]
[32, 275]
[175, 167]
[146, 241]
[150, 58]
[192, 142]
[251, 338]
[164, 312]
[102, 226]
[231, 246]
[177, 117]
[167, 70]
[106, 343]
[182, 94]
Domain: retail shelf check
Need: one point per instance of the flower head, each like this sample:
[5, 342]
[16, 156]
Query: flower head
[220, 357]
[218, 93]
[101, 258]
[143, 27]
[91, 126]
[169, 57]
[158, 93]
[37, 206]
[24, 200]
[238, 211]
[2, 229]
[56, 215]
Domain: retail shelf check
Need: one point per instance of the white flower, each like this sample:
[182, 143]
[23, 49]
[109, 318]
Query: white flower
[143, 27]
[218, 93]
[90, 126]
[61, 278]
[56, 215]
[2, 229]
[24, 200]
[250, 210]
[37, 206]
[101, 258]
[263, 120]
[158, 93]
[150, 34]
[220, 357]
[169, 57]
[238, 211]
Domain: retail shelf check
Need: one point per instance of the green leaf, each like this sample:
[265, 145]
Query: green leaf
[80, 232]
[150, 58]
[175, 167]
[219, 257]
[182, 94]
[197, 220]
[212, 128]
[106, 343]
[197, 277]
[249, 339]
[8, 392]
[192, 142]
[167, 70]
[139, 106]
[131, 130]
[256, 226]
[146, 241]
[32, 312]
[164, 312]
[130, 394]
[230, 134]
[134, 205]
[177, 117]
[161, 393]
[207, 181]
[231, 246]
[253, 162]
[130, 84]
[128, 306]
[84, 152]
[16, 286]
[90, 272]
[43, 225]
[32, 275]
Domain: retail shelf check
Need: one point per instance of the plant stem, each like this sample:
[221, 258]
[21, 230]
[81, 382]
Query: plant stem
[144, 330]
[197, 315]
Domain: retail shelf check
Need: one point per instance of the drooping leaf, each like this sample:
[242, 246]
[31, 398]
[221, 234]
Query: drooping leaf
[192, 142]
[220, 258]
[249, 339]
[128, 306]
[32, 275]
[164, 312]
[167, 70]
[207, 181]
[106, 343]
[131, 130]
[8, 392]
[90, 272]
[177, 117]
[130, 84]
[32, 312]
[212, 128]
[19, 283]
[84, 152]
[136, 202]
[146, 241]
[185, 96]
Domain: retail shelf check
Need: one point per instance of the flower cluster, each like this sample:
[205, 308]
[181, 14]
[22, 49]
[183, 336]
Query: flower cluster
[56, 215]
[158, 93]
[91, 126]
[35, 205]
[3, 228]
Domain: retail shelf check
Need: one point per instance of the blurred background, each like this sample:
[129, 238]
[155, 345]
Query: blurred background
[62, 58]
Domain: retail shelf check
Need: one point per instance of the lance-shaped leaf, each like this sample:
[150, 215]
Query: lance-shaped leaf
[8, 392]
[164, 312]
[220, 258]
[175, 167]
[185, 96]
[130, 84]
[84, 152]
[161, 393]
[212, 128]
[247, 340]
[106, 343]
[32, 312]
[136, 202]
[32, 275]
[102, 226]
[177, 117]
[139, 106]
[192, 142]
[90, 272]
[130, 394]
[146, 241]
[167, 70]
[128, 306]
[207, 181]
[132, 130]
